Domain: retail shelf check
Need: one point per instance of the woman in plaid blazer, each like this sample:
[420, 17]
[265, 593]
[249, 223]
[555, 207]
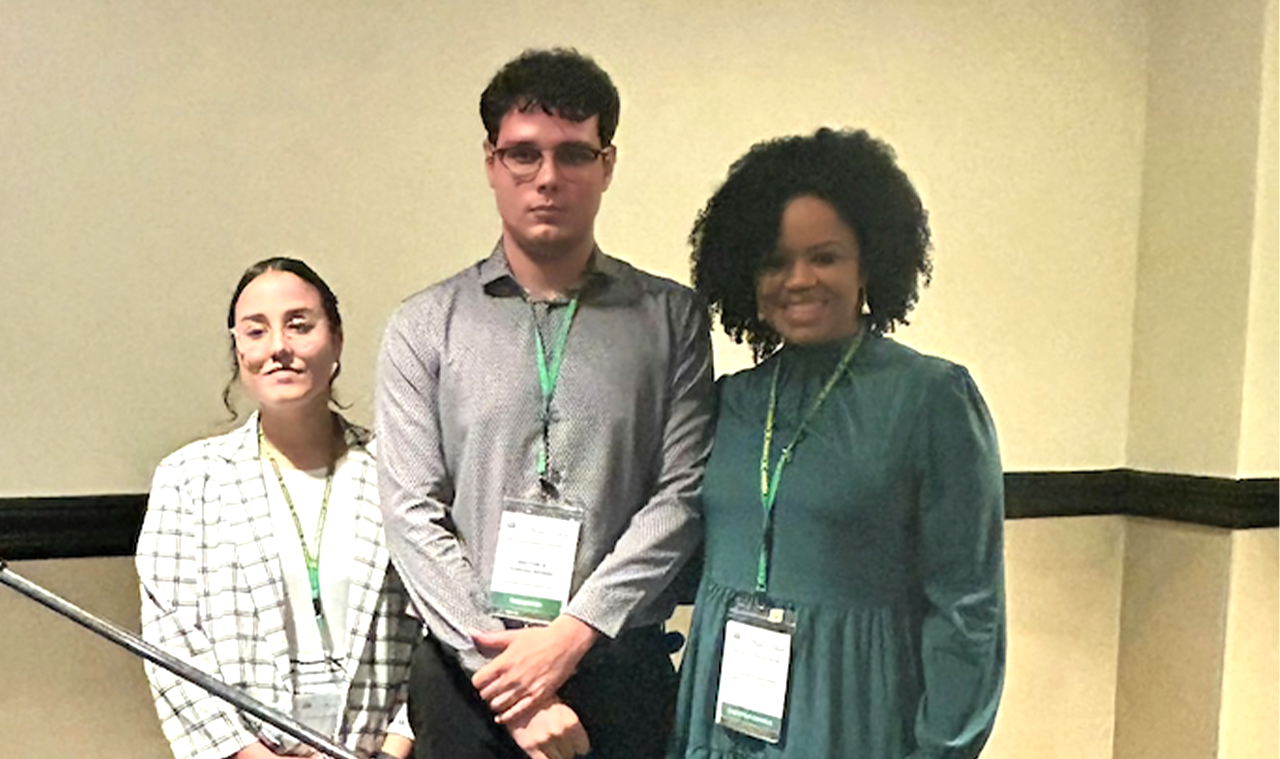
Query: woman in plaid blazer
[238, 572]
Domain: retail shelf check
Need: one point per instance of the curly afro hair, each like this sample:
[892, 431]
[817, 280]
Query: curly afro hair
[851, 170]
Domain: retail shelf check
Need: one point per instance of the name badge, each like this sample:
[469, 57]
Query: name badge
[533, 562]
[754, 667]
[320, 697]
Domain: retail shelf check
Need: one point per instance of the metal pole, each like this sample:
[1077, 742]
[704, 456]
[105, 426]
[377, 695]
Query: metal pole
[151, 653]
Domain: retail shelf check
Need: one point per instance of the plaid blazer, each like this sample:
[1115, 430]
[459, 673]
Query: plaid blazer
[213, 595]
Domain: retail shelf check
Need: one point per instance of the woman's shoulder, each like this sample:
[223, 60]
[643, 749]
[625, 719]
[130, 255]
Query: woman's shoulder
[242, 441]
[903, 364]
[212, 447]
[941, 388]
[886, 353]
[898, 375]
[745, 381]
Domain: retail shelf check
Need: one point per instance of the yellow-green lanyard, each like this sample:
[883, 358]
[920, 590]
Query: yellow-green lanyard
[312, 559]
[548, 376]
[769, 485]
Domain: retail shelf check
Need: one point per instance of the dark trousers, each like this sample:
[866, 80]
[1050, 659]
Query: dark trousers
[624, 692]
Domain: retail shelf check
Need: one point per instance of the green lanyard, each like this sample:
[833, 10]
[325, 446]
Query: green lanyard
[548, 376]
[769, 485]
[312, 559]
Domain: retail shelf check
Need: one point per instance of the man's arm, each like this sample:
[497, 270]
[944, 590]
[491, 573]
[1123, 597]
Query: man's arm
[659, 539]
[416, 489]
[665, 532]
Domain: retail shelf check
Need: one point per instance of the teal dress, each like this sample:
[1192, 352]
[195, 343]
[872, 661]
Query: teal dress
[887, 543]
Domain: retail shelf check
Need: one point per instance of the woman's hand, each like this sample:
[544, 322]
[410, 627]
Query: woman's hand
[255, 750]
[398, 746]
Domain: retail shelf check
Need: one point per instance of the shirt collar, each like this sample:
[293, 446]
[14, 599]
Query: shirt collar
[497, 280]
[241, 444]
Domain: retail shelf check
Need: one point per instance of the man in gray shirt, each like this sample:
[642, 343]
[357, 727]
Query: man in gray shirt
[543, 420]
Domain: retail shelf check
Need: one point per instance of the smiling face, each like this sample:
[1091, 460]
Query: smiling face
[809, 288]
[552, 213]
[286, 348]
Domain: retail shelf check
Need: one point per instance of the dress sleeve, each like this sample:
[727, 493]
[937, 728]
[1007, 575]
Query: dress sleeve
[416, 494]
[170, 567]
[961, 518]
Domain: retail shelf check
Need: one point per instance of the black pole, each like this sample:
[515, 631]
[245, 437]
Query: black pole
[140, 647]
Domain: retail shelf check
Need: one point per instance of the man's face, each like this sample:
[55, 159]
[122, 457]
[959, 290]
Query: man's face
[551, 212]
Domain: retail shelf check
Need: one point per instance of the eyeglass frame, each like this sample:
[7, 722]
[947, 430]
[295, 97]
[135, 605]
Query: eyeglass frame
[524, 176]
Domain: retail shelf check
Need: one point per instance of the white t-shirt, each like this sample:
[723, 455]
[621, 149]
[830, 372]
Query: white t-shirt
[306, 489]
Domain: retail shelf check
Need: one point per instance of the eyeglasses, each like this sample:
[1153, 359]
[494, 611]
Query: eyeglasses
[572, 159]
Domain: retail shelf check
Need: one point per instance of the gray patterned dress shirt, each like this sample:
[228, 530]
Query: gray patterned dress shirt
[460, 427]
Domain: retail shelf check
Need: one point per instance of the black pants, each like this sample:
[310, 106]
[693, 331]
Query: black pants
[624, 692]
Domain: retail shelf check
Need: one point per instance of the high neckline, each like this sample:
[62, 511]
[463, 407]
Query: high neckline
[817, 357]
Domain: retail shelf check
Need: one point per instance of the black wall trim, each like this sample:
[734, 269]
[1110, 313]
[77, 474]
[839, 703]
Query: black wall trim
[1210, 501]
[70, 527]
[107, 525]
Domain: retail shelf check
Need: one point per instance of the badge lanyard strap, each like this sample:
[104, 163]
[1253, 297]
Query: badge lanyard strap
[548, 376]
[312, 559]
[769, 485]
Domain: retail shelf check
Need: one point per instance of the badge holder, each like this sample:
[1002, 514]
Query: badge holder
[754, 667]
[319, 700]
[534, 560]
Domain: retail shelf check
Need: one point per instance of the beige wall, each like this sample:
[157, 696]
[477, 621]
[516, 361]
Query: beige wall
[1172, 625]
[1197, 601]
[1198, 232]
[65, 691]
[1261, 406]
[154, 150]
[1250, 703]
[1063, 579]
[1089, 209]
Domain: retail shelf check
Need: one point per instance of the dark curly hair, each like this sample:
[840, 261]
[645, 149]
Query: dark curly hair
[854, 172]
[560, 81]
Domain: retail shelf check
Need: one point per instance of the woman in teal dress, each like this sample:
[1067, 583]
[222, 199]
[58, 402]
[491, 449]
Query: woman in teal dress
[854, 500]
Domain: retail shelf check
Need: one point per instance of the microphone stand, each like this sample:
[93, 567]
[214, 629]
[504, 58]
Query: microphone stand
[155, 655]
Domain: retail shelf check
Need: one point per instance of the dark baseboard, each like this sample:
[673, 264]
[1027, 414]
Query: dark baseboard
[67, 527]
[70, 527]
[1210, 501]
